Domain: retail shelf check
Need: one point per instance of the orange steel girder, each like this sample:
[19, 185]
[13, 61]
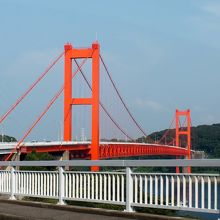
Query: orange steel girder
[73, 53]
[186, 132]
[109, 150]
[117, 150]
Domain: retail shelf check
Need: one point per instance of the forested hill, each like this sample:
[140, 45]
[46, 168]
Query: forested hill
[204, 137]
[6, 138]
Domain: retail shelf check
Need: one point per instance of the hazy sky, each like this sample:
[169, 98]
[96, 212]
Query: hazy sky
[163, 55]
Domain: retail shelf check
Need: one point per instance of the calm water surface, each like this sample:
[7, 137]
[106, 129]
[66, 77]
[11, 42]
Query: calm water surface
[202, 215]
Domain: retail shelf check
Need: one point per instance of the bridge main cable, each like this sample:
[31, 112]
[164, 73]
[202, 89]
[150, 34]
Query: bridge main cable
[166, 132]
[52, 101]
[123, 102]
[18, 101]
[103, 107]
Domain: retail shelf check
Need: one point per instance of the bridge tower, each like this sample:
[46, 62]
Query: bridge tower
[186, 132]
[82, 53]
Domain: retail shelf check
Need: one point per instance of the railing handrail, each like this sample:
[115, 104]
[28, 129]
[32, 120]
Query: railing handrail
[117, 173]
[119, 163]
[176, 174]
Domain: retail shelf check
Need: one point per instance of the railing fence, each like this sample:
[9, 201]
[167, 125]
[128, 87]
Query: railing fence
[191, 192]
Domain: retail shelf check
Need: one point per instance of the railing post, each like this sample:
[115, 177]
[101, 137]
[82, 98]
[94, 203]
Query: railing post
[129, 190]
[61, 186]
[12, 190]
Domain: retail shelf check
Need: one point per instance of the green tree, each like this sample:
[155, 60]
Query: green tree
[34, 156]
[6, 138]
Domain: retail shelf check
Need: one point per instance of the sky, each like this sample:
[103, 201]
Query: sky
[163, 55]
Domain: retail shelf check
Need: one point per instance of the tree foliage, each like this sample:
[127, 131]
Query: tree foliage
[34, 156]
[6, 138]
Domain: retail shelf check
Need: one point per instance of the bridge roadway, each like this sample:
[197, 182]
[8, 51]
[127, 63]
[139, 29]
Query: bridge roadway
[27, 210]
[81, 149]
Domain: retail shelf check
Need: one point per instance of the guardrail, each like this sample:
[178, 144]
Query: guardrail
[190, 192]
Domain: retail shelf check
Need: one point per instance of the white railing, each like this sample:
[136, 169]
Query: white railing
[36, 183]
[191, 192]
[195, 192]
[97, 187]
[5, 183]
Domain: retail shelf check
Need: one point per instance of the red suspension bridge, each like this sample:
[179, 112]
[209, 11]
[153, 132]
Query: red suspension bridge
[94, 149]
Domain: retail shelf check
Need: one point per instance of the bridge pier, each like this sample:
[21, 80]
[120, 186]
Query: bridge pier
[16, 157]
[65, 156]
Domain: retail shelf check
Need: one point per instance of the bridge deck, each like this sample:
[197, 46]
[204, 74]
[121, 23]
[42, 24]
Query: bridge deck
[81, 149]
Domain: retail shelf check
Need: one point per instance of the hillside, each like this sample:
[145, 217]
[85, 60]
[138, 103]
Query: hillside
[7, 138]
[204, 137]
